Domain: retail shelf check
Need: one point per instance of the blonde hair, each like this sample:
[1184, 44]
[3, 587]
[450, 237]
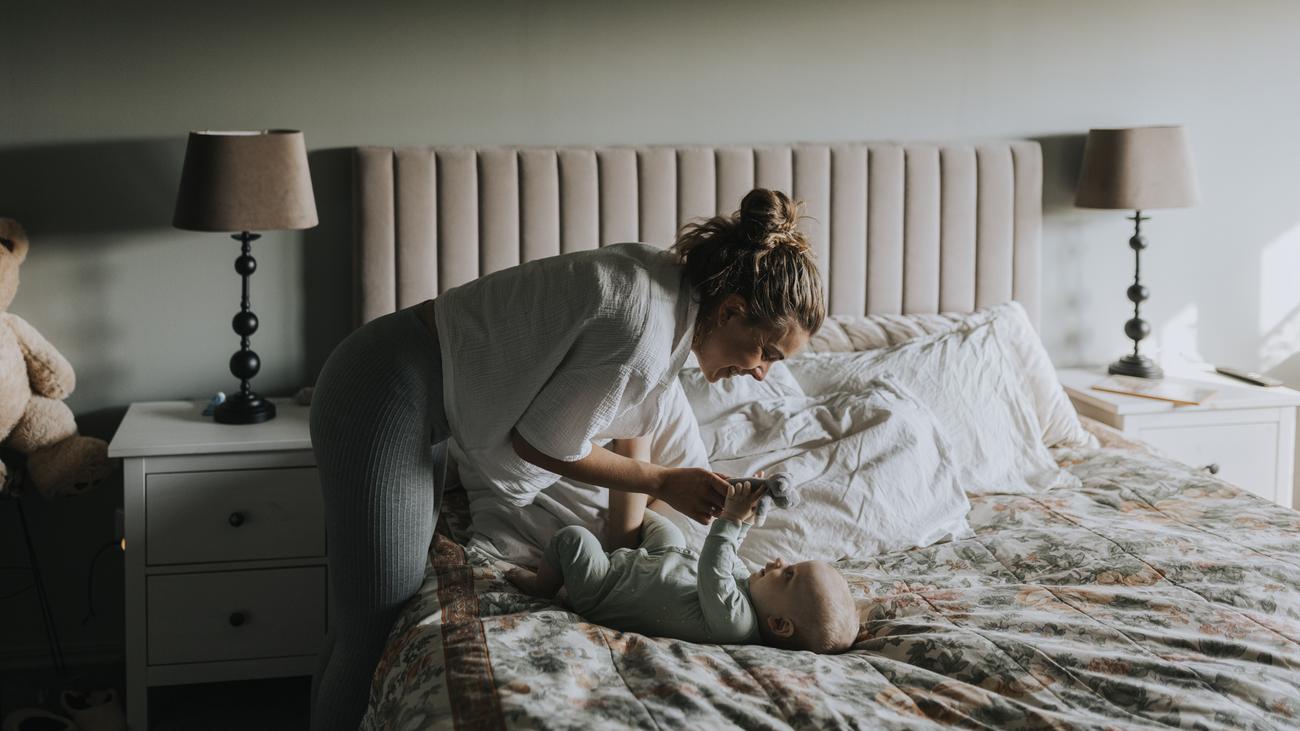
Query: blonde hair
[758, 253]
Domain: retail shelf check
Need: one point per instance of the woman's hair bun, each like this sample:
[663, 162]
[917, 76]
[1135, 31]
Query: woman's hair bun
[760, 254]
[768, 218]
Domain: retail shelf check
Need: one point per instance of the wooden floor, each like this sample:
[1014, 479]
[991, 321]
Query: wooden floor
[251, 705]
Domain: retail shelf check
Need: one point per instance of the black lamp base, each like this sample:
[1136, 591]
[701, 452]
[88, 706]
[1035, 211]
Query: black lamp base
[1138, 366]
[244, 409]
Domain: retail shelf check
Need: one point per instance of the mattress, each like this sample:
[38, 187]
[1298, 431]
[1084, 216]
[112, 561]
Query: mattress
[1153, 596]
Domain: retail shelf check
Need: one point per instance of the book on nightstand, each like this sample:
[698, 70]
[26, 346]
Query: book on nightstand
[1176, 392]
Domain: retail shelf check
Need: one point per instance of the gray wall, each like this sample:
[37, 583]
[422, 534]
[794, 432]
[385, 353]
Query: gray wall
[97, 99]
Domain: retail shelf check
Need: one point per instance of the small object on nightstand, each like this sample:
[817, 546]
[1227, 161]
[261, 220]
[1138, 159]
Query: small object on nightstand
[1175, 392]
[1259, 379]
[216, 401]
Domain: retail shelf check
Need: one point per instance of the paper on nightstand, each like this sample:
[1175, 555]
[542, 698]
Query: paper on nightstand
[1182, 393]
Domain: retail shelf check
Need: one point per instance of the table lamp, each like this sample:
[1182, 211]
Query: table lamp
[1137, 169]
[242, 182]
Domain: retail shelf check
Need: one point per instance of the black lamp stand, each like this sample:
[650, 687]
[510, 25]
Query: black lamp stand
[245, 407]
[1136, 364]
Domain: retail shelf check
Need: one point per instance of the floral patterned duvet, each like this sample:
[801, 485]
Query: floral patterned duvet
[1155, 596]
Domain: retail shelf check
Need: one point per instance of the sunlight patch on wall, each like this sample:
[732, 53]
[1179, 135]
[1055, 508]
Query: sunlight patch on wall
[1279, 299]
[1179, 339]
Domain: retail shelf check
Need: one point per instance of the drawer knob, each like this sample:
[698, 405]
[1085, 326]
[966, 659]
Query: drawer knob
[237, 619]
[1212, 468]
[236, 519]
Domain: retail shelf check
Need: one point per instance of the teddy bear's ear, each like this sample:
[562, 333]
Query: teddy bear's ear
[13, 238]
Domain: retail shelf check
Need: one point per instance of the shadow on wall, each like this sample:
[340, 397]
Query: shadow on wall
[73, 195]
[1062, 158]
[328, 312]
[76, 195]
[92, 187]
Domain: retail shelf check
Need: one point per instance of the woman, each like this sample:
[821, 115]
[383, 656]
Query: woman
[524, 367]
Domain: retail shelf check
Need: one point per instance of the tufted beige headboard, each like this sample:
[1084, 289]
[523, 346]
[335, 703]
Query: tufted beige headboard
[897, 227]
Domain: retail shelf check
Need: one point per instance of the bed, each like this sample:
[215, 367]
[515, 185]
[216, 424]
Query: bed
[1151, 595]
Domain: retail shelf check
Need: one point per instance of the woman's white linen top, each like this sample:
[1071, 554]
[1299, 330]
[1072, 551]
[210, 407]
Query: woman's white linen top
[565, 350]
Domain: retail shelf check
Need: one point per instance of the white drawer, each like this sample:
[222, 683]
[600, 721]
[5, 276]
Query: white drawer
[234, 515]
[1245, 453]
[236, 615]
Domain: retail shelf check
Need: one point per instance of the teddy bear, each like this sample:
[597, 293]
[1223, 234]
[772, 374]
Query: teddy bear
[34, 380]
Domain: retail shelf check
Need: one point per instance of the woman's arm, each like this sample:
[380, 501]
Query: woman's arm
[600, 467]
[696, 493]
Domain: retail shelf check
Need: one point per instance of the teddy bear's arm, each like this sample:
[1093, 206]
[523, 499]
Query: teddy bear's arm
[51, 374]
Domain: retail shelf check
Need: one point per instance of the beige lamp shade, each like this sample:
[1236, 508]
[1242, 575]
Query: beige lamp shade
[1138, 168]
[245, 181]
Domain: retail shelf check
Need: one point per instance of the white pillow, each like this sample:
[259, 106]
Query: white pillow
[873, 470]
[969, 379]
[1056, 416]
[711, 401]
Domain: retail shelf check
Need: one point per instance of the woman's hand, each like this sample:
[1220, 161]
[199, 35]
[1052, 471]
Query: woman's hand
[696, 493]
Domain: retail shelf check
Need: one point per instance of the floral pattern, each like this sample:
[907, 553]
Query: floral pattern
[1154, 596]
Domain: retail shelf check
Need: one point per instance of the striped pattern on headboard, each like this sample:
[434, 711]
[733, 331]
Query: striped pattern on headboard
[898, 228]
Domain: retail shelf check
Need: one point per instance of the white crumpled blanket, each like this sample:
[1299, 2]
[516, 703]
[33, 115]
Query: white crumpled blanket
[873, 468]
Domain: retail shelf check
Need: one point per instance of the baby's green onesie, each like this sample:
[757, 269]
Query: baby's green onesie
[661, 588]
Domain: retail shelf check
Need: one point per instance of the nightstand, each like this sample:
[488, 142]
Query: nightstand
[225, 548]
[1244, 434]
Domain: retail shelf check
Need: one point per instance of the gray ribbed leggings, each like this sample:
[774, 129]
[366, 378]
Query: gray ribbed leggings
[377, 424]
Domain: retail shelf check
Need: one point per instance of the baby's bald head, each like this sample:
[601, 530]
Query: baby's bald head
[804, 606]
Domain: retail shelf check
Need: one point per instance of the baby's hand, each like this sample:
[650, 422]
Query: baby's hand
[741, 499]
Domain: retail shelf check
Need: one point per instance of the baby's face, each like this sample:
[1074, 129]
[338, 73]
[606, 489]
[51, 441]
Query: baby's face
[787, 589]
[775, 565]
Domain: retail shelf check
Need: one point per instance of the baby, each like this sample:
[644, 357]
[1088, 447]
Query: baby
[664, 589]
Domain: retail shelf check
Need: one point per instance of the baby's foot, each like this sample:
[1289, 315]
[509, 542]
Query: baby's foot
[524, 580]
